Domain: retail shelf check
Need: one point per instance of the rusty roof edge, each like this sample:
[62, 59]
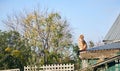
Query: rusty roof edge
[106, 61]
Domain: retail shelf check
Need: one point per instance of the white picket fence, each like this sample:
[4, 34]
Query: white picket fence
[11, 70]
[53, 67]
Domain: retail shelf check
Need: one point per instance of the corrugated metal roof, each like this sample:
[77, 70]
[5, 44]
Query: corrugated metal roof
[106, 46]
[114, 32]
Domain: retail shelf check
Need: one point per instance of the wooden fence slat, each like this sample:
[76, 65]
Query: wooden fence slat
[52, 67]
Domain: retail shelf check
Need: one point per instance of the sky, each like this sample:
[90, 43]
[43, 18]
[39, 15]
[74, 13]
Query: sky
[92, 18]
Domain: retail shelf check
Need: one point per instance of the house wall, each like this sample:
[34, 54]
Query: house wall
[84, 63]
[88, 62]
[92, 61]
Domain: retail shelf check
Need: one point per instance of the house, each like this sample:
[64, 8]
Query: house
[105, 57]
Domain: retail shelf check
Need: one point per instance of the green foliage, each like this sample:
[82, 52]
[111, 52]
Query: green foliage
[14, 51]
[76, 57]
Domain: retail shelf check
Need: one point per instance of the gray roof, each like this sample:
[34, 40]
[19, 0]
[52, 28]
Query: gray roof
[106, 47]
[112, 38]
[114, 32]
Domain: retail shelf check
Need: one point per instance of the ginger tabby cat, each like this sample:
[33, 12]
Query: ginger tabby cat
[82, 44]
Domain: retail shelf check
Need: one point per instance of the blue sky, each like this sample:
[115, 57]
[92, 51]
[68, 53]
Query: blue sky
[93, 18]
